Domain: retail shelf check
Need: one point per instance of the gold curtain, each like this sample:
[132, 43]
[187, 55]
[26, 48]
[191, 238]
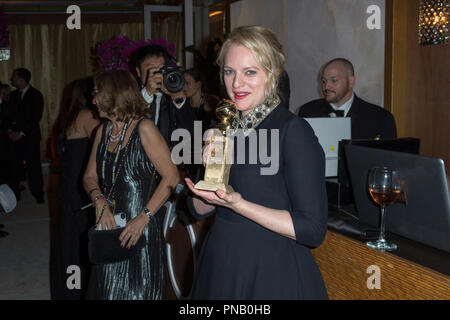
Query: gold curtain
[170, 27]
[56, 56]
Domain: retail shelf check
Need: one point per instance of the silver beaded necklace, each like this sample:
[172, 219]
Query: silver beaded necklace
[252, 119]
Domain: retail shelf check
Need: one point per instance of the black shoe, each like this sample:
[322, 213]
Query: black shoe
[22, 187]
[40, 201]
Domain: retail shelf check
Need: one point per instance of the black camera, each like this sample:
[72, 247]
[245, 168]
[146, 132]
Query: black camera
[173, 78]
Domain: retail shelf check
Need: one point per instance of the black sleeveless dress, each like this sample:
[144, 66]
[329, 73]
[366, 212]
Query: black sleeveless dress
[142, 276]
[70, 242]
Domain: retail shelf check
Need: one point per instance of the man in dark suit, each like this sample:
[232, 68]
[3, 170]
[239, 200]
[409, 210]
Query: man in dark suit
[368, 121]
[27, 105]
[169, 109]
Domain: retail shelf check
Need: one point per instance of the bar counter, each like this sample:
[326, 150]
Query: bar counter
[414, 271]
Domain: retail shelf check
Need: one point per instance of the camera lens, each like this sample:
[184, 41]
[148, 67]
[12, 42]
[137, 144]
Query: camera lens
[122, 215]
[174, 81]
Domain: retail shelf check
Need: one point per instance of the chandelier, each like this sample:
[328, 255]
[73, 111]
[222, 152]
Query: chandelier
[4, 38]
[433, 21]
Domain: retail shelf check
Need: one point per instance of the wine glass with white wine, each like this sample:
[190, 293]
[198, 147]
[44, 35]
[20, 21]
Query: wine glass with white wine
[384, 188]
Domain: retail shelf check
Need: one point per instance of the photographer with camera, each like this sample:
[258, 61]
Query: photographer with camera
[162, 86]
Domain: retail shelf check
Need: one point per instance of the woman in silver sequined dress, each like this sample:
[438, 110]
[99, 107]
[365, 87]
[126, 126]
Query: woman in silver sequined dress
[147, 176]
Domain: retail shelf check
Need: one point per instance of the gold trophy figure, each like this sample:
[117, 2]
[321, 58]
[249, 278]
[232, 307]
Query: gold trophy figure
[218, 164]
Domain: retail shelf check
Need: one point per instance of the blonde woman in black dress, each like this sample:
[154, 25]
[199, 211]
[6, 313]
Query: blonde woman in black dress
[259, 245]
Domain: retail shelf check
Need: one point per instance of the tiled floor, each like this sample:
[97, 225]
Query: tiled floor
[25, 252]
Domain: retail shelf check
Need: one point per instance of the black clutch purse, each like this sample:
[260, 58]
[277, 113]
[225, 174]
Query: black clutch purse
[104, 246]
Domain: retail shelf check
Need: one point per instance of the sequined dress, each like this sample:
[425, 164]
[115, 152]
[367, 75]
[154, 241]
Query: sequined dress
[142, 276]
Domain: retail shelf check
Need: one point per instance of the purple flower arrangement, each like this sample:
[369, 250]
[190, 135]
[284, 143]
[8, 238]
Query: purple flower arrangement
[112, 53]
[115, 53]
[4, 34]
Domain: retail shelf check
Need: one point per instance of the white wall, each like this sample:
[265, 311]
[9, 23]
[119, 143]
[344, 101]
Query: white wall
[315, 31]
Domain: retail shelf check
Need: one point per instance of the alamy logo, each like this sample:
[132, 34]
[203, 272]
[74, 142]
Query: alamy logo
[74, 278]
[374, 20]
[374, 281]
[263, 148]
[74, 20]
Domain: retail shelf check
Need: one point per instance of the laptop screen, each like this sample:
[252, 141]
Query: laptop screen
[330, 131]
[409, 145]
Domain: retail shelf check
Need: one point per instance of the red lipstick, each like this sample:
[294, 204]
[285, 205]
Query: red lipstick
[240, 95]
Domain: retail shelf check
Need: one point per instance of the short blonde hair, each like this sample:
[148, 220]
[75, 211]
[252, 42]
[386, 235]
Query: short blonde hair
[119, 95]
[266, 49]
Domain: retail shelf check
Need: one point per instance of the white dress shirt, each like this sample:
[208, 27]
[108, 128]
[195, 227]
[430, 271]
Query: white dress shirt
[149, 99]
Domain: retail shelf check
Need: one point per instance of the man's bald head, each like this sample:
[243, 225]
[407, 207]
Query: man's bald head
[347, 65]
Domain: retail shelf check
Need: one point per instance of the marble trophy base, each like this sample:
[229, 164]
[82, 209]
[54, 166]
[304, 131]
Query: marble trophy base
[217, 171]
[213, 186]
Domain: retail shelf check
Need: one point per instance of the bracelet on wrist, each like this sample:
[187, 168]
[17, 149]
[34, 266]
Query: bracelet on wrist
[98, 196]
[92, 190]
[148, 213]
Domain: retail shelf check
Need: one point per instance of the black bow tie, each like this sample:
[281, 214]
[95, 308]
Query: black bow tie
[339, 113]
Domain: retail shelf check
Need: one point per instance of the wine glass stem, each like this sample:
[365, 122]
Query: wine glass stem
[382, 225]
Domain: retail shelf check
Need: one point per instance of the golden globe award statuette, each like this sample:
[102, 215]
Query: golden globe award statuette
[217, 171]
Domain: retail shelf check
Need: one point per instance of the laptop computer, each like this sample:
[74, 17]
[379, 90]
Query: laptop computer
[425, 217]
[340, 190]
[409, 145]
[330, 131]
